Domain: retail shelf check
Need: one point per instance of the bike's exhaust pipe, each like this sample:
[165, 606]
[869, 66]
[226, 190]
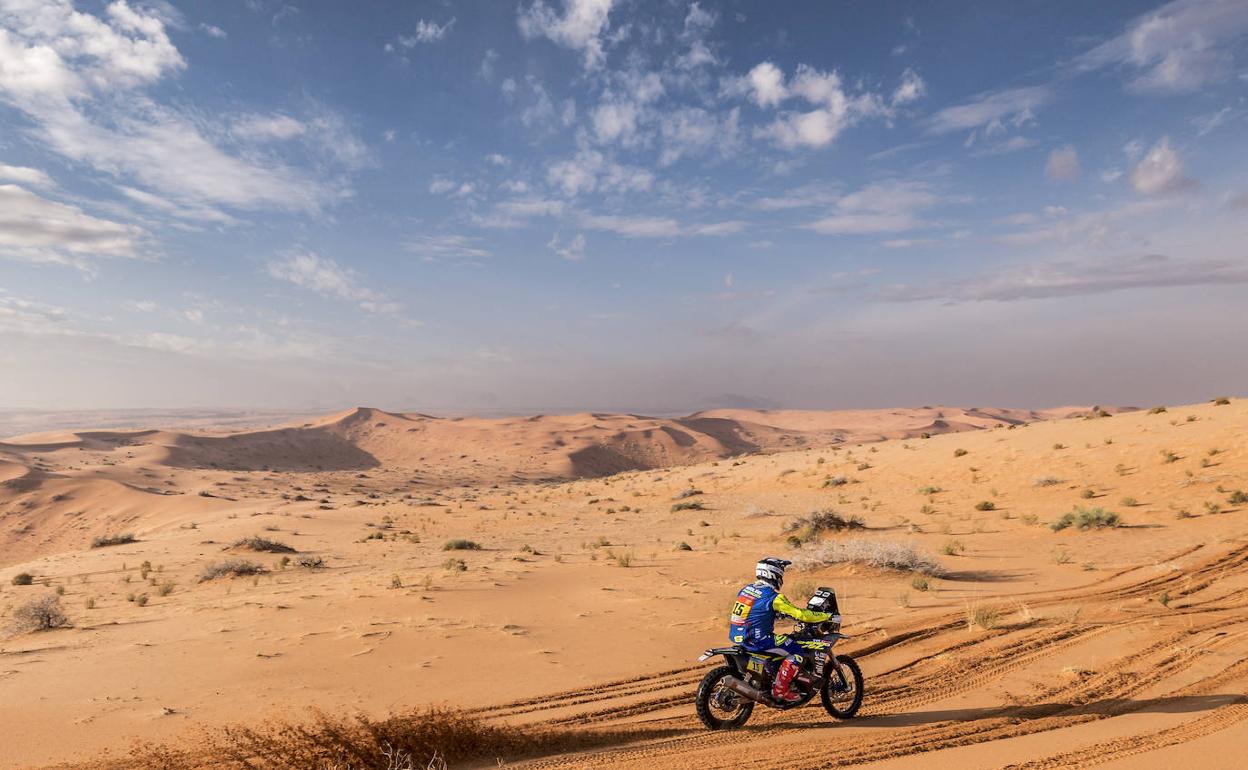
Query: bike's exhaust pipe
[744, 690]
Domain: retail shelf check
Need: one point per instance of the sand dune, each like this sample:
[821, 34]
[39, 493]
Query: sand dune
[1122, 646]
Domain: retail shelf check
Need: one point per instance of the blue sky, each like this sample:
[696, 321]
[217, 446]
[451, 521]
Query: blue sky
[569, 204]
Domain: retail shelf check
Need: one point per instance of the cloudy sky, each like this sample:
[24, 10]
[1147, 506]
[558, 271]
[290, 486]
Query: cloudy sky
[621, 204]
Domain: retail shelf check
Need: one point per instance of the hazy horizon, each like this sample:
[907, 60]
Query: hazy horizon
[565, 205]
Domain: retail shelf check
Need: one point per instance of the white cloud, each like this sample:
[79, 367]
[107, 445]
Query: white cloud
[1067, 278]
[835, 109]
[690, 131]
[579, 27]
[1011, 105]
[498, 160]
[766, 85]
[1160, 171]
[912, 88]
[1063, 165]
[572, 250]
[1180, 46]
[264, 128]
[426, 32]
[435, 247]
[36, 229]
[879, 208]
[212, 30]
[632, 226]
[77, 78]
[322, 275]
[589, 171]
[31, 177]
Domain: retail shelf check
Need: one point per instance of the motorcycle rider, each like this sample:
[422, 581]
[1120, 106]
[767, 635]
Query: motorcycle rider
[753, 618]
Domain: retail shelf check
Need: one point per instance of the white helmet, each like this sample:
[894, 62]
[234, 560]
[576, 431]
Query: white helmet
[771, 570]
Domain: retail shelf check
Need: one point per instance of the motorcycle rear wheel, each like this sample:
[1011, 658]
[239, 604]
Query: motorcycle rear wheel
[843, 704]
[711, 693]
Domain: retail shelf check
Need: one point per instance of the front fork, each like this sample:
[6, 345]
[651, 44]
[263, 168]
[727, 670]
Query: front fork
[825, 661]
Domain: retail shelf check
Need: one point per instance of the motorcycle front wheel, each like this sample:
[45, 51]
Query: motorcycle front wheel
[718, 707]
[842, 696]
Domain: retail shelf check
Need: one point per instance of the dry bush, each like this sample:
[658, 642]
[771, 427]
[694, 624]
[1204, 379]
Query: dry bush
[262, 545]
[1046, 481]
[231, 568]
[884, 554]
[42, 614]
[982, 616]
[461, 545]
[311, 562]
[103, 541]
[816, 523]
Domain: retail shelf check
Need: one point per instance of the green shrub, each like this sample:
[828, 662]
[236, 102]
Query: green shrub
[1087, 518]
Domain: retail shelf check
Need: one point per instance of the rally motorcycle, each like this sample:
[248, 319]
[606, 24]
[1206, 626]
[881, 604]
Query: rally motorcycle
[727, 694]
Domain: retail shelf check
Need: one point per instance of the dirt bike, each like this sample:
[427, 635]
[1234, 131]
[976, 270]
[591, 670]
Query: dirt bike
[727, 695]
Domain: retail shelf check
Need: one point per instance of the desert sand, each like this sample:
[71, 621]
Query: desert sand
[591, 595]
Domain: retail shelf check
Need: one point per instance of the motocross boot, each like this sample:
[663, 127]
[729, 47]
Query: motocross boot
[782, 687]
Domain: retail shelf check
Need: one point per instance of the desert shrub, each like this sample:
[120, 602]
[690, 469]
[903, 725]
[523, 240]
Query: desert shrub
[835, 481]
[986, 505]
[461, 545]
[625, 559]
[310, 562]
[959, 452]
[42, 614]
[814, 524]
[103, 541]
[952, 548]
[262, 545]
[683, 546]
[455, 565]
[23, 579]
[884, 554]
[928, 490]
[1221, 401]
[982, 616]
[688, 506]
[231, 568]
[1129, 502]
[1238, 497]
[1046, 481]
[1169, 457]
[687, 493]
[919, 583]
[1088, 494]
[1087, 518]
[1157, 410]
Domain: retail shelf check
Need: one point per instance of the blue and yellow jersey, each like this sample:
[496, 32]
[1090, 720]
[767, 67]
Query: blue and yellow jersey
[753, 619]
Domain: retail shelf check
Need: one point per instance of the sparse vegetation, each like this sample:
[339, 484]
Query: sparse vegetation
[959, 452]
[262, 545]
[1087, 518]
[691, 492]
[1238, 497]
[928, 490]
[812, 525]
[455, 565]
[1046, 481]
[308, 561]
[952, 548]
[23, 579]
[1088, 494]
[42, 614]
[883, 554]
[919, 583]
[986, 505]
[982, 616]
[1157, 410]
[688, 506]
[1221, 401]
[835, 481]
[1129, 502]
[103, 541]
[683, 546]
[459, 544]
[231, 568]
